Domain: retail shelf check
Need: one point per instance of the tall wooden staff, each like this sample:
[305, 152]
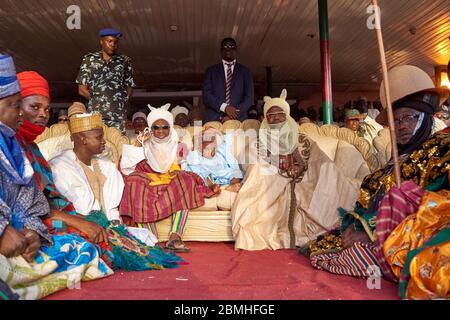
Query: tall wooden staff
[390, 114]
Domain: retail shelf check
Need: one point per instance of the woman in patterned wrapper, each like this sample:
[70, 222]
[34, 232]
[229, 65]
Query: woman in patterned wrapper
[291, 187]
[155, 186]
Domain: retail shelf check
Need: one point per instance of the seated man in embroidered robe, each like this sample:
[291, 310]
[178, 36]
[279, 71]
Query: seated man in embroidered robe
[90, 183]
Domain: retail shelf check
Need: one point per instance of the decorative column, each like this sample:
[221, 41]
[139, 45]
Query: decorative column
[327, 93]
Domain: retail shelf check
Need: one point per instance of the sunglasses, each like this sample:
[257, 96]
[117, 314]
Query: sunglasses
[155, 127]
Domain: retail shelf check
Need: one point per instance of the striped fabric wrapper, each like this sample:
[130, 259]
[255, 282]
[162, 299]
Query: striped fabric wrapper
[144, 203]
[44, 177]
[149, 226]
[396, 205]
[179, 220]
[178, 225]
[358, 261]
[6, 292]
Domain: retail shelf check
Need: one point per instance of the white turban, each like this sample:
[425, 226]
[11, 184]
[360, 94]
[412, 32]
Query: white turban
[161, 153]
[160, 113]
[282, 140]
[178, 110]
[279, 102]
[138, 115]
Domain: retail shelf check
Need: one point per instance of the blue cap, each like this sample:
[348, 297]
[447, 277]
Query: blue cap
[9, 84]
[110, 32]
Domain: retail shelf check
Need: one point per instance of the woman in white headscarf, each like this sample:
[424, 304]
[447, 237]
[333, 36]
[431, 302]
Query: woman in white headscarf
[155, 186]
[291, 192]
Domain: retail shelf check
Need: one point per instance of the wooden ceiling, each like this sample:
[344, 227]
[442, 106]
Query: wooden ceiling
[280, 33]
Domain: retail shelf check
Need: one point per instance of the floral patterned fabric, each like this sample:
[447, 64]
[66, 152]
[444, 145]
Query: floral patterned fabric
[424, 272]
[65, 264]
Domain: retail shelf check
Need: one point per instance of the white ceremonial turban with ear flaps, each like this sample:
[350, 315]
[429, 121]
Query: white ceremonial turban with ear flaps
[159, 113]
[282, 139]
[278, 102]
[161, 153]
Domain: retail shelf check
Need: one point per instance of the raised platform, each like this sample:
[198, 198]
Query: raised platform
[208, 226]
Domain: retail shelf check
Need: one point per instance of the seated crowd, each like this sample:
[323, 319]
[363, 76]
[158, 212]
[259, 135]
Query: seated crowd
[78, 216]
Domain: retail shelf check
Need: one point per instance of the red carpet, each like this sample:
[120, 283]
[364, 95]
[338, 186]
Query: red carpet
[216, 271]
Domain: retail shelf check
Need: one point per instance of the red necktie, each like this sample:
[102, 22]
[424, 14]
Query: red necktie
[229, 78]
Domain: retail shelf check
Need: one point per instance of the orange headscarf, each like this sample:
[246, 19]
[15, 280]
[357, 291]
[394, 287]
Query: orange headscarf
[32, 83]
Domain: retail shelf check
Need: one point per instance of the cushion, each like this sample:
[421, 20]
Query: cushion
[350, 161]
[226, 199]
[251, 124]
[50, 147]
[351, 153]
[382, 144]
[231, 125]
[214, 124]
[327, 144]
[213, 226]
[210, 205]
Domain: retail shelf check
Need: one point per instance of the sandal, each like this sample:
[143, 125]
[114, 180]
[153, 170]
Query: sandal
[172, 245]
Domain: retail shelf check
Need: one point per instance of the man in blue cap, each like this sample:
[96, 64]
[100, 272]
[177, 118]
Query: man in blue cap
[43, 257]
[106, 80]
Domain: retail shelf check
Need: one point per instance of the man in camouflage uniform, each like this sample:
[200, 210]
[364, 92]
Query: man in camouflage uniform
[106, 80]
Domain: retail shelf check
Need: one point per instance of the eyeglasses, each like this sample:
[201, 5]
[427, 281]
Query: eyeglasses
[229, 46]
[155, 127]
[279, 114]
[408, 119]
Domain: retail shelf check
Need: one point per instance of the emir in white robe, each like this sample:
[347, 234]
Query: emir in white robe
[72, 182]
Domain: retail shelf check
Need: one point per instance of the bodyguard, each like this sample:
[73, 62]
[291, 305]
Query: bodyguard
[106, 80]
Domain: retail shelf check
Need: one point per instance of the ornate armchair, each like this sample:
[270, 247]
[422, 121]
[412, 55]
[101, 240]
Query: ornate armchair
[351, 153]
[382, 144]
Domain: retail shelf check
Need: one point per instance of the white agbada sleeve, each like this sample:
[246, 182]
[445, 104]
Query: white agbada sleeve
[112, 189]
[131, 156]
[71, 182]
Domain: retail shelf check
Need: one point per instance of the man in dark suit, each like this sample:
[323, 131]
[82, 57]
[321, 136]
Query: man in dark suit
[228, 86]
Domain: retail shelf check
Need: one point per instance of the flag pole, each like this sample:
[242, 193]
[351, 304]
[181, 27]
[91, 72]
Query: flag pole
[390, 114]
